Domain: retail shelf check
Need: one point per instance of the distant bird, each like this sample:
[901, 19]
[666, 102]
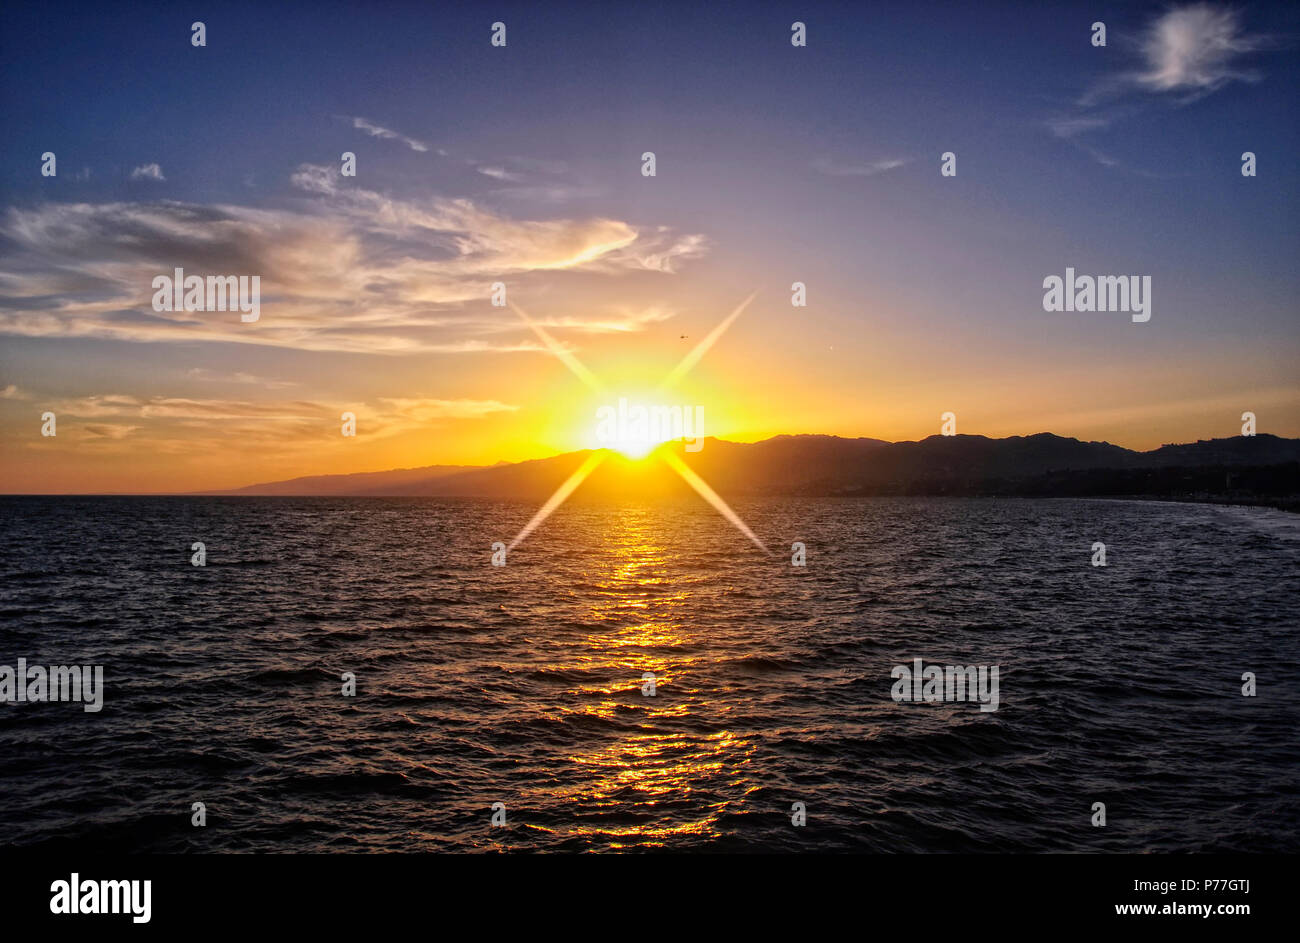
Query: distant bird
[683, 337]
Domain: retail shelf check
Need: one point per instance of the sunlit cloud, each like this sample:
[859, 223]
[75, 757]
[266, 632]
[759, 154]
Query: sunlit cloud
[616, 321]
[349, 269]
[499, 173]
[213, 376]
[197, 426]
[184, 408]
[426, 410]
[666, 256]
[109, 431]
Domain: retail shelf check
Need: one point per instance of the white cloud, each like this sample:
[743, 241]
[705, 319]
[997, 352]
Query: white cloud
[1196, 49]
[1186, 53]
[146, 172]
[499, 173]
[316, 179]
[376, 131]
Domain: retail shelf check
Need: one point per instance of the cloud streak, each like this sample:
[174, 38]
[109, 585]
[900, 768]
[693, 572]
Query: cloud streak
[832, 169]
[123, 422]
[348, 269]
[375, 131]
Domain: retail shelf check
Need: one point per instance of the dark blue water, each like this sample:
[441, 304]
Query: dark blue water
[522, 684]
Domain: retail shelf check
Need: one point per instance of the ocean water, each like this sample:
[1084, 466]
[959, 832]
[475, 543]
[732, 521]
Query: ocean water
[522, 684]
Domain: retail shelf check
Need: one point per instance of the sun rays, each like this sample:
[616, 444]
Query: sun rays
[671, 459]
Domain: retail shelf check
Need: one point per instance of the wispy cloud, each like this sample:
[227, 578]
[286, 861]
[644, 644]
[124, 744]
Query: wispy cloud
[213, 427]
[212, 376]
[427, 410]
[374, 130]
[1185, 53]
[550, 192]
[109, 430]
[125, 405]
[1066, 128]
[532, 179]
[146, 172]
[499, 173]
[1197, 49]
[870, 169]
[348, 269]
[662, 252]
[617, 321]
[1072, 128]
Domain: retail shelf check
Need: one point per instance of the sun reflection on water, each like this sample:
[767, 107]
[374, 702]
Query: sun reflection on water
[659, 779]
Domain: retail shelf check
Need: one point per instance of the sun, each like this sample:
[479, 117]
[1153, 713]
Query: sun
[635, 427]
[625, 430]
[638, 449]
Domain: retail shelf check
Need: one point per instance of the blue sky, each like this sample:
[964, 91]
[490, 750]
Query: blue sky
[775, 163]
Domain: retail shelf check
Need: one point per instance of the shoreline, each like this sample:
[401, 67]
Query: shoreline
[1288, 503]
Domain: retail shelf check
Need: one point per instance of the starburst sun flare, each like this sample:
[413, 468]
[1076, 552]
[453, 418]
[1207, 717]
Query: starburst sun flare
[636, 430]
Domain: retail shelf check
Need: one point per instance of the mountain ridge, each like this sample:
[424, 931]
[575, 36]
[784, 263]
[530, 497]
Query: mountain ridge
[810, 464]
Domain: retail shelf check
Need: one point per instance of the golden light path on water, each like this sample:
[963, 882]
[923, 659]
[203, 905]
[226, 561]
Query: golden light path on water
[640, 621]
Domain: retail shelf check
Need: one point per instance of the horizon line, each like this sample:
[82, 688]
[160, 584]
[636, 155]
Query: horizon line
[470, 469]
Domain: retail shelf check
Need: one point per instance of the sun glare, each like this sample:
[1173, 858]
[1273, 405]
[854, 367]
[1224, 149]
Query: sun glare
[636, 450]
[635, 429]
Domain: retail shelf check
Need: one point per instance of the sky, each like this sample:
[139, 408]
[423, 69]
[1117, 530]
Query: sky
[522, 164]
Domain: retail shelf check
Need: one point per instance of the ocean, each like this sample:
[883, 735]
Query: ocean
[526, 684]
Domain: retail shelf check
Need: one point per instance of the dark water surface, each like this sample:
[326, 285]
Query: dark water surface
[522, 684]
